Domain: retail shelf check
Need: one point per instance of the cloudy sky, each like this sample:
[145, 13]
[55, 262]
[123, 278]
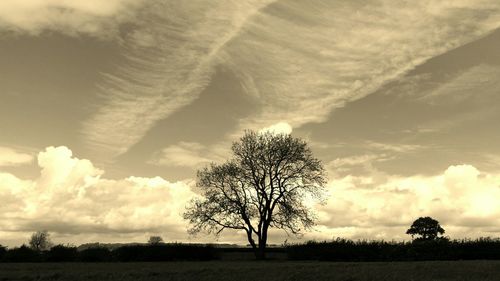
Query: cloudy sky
[108, 108]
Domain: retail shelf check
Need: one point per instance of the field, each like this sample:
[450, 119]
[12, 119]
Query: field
[240, 271]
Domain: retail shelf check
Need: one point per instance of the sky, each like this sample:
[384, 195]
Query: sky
[108, 109]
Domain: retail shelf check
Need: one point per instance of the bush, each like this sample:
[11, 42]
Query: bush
[61, 253]
[164, 252]
[95, 254]
[418, 250]
[347, 250]
[22, 254]
[482, 248]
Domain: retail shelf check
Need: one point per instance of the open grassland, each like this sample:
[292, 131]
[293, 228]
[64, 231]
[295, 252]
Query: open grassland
[240, 271]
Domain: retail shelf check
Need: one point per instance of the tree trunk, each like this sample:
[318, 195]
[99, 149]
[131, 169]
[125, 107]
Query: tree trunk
[261, 252]
[256, 249]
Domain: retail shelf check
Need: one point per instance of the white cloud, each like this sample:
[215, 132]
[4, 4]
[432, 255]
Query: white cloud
[73, 201]
[278, 128]
[170, 60]
[90, 16]
[315, 58]
[355, 160]
[299, 60]
[71, 197]
[190, 155]
[11, 157]
[391, 147]
[462, 198]
[184, 154]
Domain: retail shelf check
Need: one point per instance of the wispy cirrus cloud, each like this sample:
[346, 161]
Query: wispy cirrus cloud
[185, 154]
[298, 60]
[170, 59]
[11, 157]
[316, 57]
[395, 148]
[465, 85]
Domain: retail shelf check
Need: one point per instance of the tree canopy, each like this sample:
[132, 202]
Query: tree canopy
[155, 240]
[40, 241]
[264, 185]
[426, 228]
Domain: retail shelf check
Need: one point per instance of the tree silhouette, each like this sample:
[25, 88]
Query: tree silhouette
[155, 240]
[40, 240]
[263, 186]
[426, 228]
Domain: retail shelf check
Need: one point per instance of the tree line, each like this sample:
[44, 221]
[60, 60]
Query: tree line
[335, 250]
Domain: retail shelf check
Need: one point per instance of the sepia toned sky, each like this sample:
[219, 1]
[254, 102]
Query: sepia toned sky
[108, 108]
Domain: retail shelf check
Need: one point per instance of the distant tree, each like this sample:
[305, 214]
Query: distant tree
[426, 228]
[155, 240]
[263, 186]
[40, 241]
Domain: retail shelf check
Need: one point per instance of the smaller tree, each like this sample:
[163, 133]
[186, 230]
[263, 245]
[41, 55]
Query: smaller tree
[155, 240]
[426, 228]
[40, 241]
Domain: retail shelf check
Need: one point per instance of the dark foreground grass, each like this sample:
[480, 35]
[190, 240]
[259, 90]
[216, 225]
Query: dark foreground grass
[240, 271]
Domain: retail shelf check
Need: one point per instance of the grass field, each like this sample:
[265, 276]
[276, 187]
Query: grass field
[240, 271]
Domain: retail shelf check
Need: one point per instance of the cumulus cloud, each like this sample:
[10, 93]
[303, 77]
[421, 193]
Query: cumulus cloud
[73, 200]
[70, 197]
[11, 157]
[71, 17]
[298, 60]
[462, 198]
[278, 128]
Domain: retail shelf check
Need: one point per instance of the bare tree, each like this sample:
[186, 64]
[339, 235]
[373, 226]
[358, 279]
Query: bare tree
[40, 241]
[263, 186]
[155, 240]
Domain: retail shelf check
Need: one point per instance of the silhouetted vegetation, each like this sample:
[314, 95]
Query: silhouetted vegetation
[128, 253]
[164, 252]
[3, 251]
[40, 241]
[61, 253]
[418, 250]
[22, 254]
[337, 250]
[263, 186]
[154, 240]
[95, 254]
[425, 228]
